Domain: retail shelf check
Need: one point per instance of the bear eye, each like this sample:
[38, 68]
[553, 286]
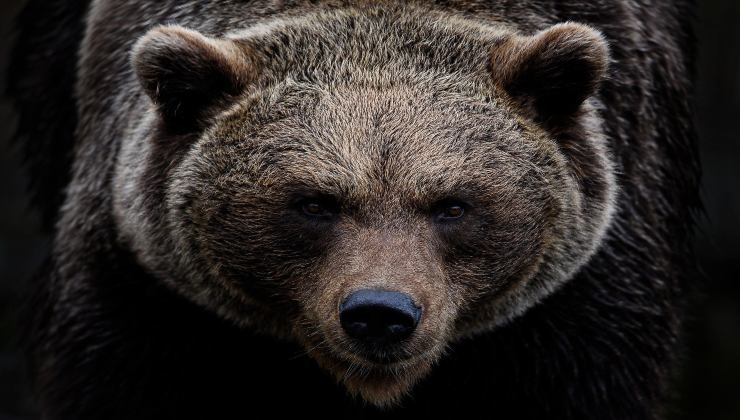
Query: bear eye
[318, 207]
[313, 209]
[453, 212]
[448, 211]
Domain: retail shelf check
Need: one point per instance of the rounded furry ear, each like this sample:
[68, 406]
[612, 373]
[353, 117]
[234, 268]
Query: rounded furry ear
[189, 75]
[552, 72]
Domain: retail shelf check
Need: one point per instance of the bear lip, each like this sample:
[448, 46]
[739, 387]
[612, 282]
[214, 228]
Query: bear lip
[383, 363]
[383, 385]
[394, 357]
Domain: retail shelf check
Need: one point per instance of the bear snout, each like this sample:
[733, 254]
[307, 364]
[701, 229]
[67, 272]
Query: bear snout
[379, 318]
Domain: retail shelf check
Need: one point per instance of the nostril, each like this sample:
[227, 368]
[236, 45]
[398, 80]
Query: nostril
[379, 315]
[377, 322]
[355, 328]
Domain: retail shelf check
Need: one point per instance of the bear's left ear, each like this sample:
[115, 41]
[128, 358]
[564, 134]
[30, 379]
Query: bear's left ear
[552, 72]
[188, 75]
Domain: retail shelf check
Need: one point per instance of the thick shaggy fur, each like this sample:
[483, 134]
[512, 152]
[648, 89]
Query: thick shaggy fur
[183, 285]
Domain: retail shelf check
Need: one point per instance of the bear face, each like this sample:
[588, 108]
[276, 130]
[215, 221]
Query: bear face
[316, 177]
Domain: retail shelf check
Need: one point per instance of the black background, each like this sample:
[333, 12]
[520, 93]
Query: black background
[710, 380]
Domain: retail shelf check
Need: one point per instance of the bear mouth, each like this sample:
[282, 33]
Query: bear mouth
[383, 384]
[379, 378]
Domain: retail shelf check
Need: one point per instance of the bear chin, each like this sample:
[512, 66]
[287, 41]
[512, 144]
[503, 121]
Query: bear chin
[382, 385]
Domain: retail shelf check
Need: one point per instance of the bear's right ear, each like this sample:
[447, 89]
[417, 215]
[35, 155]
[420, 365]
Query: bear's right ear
[188, 75]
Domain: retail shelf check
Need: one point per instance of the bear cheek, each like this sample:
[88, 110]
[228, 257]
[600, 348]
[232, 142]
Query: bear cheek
[499, 255]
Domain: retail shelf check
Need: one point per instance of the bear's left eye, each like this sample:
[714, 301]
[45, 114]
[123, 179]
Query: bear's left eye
[449, 210]
[453, 212]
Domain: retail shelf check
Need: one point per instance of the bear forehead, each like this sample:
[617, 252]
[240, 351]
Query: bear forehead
[408, 141]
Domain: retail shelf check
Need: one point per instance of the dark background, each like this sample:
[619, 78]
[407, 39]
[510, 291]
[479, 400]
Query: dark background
[710, 380]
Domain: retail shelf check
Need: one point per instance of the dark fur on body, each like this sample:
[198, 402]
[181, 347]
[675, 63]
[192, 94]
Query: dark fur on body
[109, 340]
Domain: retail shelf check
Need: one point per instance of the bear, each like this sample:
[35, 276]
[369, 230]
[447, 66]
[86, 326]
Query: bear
[360, 209]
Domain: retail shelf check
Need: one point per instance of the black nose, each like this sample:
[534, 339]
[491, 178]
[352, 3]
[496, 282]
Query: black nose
[379, 316]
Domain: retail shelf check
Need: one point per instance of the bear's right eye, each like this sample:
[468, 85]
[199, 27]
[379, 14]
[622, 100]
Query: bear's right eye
[313, 209]
[318, 207]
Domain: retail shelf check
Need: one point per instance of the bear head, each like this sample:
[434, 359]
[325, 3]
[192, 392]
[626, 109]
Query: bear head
[370, 184]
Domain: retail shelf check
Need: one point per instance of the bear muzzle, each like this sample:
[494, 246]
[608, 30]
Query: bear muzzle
[377, 320]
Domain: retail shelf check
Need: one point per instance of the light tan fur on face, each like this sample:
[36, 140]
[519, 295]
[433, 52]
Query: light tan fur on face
[378, 258]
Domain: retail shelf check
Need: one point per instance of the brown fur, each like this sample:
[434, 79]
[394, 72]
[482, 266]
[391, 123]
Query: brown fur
[181, 244]
[388, 145]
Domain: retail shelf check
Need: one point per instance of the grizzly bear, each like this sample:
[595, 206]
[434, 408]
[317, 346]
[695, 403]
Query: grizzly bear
[359, 208]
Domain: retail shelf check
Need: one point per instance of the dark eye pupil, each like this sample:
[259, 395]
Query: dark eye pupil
[322, 207]
[453, 212]
[313, 208]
